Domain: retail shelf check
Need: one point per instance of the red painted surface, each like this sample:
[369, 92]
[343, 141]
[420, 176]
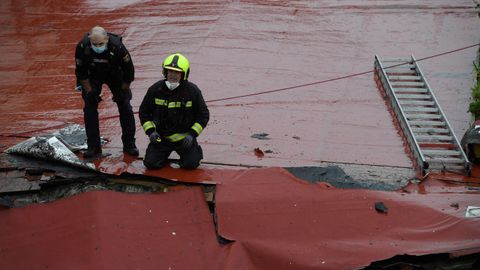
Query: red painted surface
[279, 222]
[239, 48]
[111, 230]
[235, 48]
[275, 220]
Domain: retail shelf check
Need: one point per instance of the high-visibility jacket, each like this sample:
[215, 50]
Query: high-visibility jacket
[175, 113]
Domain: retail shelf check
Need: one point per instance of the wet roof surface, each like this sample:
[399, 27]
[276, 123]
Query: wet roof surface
[238, 48]
[244, 47]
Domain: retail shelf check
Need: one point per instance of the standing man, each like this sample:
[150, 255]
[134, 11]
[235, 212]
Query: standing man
[173, 113]
[101, 58]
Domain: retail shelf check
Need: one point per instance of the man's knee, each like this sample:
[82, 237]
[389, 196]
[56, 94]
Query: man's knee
[190, 164]
[192, 159]
[152, 163]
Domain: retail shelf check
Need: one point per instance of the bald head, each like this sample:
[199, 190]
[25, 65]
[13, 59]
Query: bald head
[98, 35]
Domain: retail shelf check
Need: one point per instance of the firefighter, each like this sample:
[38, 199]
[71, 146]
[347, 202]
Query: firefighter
[173, 114]
[101, 58]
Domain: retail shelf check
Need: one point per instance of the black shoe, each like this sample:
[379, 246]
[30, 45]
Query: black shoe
[131, 149]
[92, 152]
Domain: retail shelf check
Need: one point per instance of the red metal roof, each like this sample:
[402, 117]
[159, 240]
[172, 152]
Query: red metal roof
[240, 48]
[237, 48]
[275, 220]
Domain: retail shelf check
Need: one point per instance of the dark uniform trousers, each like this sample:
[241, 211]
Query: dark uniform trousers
[157, 154]
[90, 111]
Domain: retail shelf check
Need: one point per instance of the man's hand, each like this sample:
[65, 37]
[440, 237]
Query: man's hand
[86, 85]
[154, 137]
[187, 141]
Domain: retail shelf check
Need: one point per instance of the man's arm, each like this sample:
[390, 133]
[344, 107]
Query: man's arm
[81, 68]
[202, 114]
[146, 110]
[126, 64]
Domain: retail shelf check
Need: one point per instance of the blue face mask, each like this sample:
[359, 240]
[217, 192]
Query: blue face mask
[99, 49]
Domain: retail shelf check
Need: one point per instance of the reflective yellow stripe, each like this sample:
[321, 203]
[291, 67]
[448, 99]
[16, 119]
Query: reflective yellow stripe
[176, 137]
[197, 127]
[148, 125]
[161, 102]
[173, 104]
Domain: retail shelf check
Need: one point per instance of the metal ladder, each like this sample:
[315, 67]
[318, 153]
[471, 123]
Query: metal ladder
[429, 135]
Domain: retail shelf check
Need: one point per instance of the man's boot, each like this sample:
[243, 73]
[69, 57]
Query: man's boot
[92, 152]
[130, 149]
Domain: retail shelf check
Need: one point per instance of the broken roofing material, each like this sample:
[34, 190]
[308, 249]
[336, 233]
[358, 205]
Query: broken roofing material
[73, 136]
[51, 147]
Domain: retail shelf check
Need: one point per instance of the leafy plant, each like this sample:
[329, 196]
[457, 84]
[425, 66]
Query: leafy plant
[474, 106]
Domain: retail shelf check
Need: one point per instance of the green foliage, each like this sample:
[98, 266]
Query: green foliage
[474, 106]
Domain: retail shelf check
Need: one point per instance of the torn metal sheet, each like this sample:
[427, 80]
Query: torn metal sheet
[49, 148]
[73, 136]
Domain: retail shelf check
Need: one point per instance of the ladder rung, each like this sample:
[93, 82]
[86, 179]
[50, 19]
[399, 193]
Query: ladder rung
[429, 152]
[411, 90]
[408, 96]
[401, 70]
[451, 167]
[417, 102]
[430, 130]
[424, 138]
[445, 160]
[422, 123]
[437, 145]
[401, 60]
[401, 73]
[399, 66]
[423, 116]
[420, 109]
[407, 84]
[404, 78]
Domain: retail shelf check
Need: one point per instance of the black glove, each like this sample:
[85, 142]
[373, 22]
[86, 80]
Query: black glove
[187, 141]
[154, 137]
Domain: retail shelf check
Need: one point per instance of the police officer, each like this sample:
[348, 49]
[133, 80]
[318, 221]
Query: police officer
[101, 58]
[173, 113]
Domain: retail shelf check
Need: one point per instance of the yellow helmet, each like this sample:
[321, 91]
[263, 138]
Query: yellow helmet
[176, 62]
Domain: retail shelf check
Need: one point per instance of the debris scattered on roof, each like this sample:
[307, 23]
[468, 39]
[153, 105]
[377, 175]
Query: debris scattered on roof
[260, 136]
[380, 207]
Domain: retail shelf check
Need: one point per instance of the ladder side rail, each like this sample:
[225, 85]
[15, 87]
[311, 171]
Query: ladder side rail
[417, 68]
[401, 115]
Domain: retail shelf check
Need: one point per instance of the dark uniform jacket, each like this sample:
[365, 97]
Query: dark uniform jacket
[114, 63]
[172, 112]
